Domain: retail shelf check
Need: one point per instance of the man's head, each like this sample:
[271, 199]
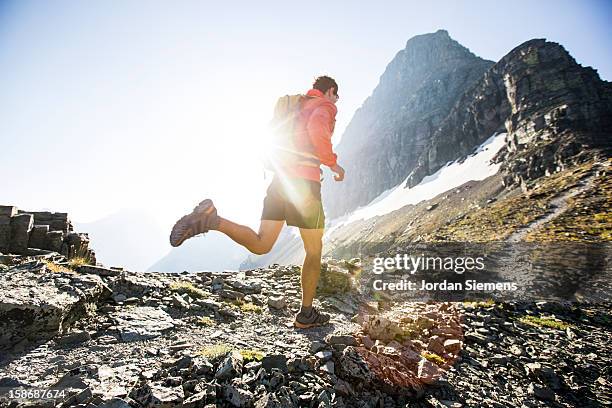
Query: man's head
[328, 86]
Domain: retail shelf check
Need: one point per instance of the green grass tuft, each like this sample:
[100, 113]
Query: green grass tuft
[250, 308]
[246, 307]
[206, 321]
[77, 261]
[53, 267]
[433, 357]
[189, 288]
[483, 303]
[544, 322]
[251, 355]
[215, 351]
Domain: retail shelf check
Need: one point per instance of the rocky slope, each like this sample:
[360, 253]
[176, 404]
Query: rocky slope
[386, 136]
[224, 339]
[572, 205]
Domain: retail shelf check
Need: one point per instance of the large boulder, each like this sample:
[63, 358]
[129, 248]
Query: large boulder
[6, 212]
[21, 225]
[36, 303]
[38, 236]
[55, 240]
[131, 284]
[57, 221]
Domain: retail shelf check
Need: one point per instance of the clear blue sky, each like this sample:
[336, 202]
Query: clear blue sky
[155, 105]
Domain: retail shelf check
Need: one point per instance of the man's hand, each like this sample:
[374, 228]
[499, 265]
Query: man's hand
[339, 176]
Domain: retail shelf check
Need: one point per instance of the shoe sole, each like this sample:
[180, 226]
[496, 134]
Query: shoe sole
[179, 231]
[308, 325]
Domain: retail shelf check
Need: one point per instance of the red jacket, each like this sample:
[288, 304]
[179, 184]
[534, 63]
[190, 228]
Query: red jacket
[314, 132]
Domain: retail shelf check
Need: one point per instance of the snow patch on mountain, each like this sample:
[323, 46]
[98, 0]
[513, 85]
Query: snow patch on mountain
[475, 167]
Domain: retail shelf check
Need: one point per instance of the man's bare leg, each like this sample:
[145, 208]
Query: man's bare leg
[313, 245]
[310, 316]
[257, 242]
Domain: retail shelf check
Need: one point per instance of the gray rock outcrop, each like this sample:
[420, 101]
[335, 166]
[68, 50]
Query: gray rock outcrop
[24, 231]
[21, 225]
[38, 303]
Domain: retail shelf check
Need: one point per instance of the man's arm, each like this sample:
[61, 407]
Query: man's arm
[320, 132]
[339, 170]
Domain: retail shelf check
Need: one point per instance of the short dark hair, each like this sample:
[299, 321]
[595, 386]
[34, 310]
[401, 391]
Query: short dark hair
[324, 82]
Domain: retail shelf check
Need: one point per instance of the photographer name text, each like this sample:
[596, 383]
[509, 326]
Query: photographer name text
[471, 284]
[411, 264]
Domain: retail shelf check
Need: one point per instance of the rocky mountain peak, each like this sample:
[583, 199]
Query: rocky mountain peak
[561, 112]
[536, 94]
[423, 56]
[416, 92]
[420, 47]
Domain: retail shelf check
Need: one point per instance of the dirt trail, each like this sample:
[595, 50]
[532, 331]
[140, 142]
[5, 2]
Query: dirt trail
[557, 206]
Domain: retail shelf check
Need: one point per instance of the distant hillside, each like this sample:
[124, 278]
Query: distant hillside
[116, 242]
[214, 251]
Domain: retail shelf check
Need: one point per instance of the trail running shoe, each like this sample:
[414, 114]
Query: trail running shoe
[316, 318]
[202, 219]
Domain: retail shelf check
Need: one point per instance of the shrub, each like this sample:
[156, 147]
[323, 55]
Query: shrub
[77, 261]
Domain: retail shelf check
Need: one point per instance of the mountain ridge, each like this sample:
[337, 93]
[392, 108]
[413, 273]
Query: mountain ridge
[526, 94]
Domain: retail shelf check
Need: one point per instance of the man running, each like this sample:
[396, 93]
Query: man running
[294, 197]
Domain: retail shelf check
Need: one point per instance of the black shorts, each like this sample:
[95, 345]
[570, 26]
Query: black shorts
[295, 200]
